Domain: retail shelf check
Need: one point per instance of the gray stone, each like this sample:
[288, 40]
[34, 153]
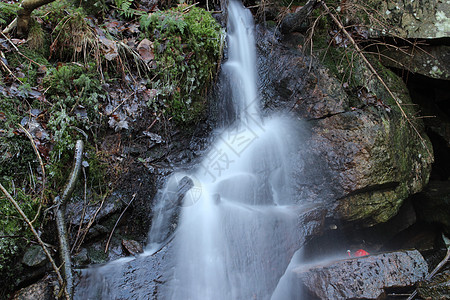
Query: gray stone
[42, 290]
[132, 247]
[431, 61]
[34, 257]
[81, 257]
[362, 278]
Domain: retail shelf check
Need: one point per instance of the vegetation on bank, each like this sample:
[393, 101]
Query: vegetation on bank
[71, 79]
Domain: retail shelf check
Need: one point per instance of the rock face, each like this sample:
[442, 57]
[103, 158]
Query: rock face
[361, 157]
[433, 61]
[361, 278]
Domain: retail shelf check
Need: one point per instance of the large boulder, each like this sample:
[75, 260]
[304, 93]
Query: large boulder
[362, 157]
[360, 278]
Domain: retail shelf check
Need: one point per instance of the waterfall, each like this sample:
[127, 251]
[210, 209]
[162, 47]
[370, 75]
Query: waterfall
[231, 223]
[237, 227]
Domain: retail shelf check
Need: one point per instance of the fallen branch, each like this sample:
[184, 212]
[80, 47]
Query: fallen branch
[18, 51]
[47, 253]
[438, 267]
[117, 222]
[60, 220]
[8, 70]
[374, 72]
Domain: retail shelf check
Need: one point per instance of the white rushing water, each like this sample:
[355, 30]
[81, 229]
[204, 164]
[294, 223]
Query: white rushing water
[236, 230]
[236, 221]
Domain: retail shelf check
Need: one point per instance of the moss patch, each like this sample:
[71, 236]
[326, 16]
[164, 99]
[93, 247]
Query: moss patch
[186, 45]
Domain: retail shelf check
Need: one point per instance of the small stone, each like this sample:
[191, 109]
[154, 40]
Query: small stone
[40, 290]
[133, 247]
[81, 258]
[34, 257]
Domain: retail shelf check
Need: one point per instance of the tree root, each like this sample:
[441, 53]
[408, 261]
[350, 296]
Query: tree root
[60, 220]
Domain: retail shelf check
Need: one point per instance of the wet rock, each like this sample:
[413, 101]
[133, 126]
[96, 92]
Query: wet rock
[142, 277]
[99, 210]
[81, 257]
[359, 155]
[289, 81]
[436, 288]
[132, 247]
[433, 204]
[34, 257]
[374, 160]
[362, 278]
[42, 290]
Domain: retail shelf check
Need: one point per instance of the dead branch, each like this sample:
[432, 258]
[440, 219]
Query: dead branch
[8, 70]
[374, 72]
[60, 219]
[295, 21]
[117, 222]
[47, 253]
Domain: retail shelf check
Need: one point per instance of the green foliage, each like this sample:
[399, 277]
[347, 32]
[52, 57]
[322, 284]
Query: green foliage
[125, 7]
[187, 48]
[75, 93]
[15, 153]
[8, 12]
[92, 7]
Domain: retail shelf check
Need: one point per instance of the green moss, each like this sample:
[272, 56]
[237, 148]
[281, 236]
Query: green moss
[7, 13]
[13, 232]
[187, 47]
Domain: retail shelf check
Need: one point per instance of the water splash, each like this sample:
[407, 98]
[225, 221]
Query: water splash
[237, 232]
[231, 223]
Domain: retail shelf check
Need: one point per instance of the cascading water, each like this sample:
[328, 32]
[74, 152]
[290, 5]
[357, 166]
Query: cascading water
[236, 232]
[237, 223]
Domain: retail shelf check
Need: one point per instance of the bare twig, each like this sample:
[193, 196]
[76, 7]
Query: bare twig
[372, 69]
[41, 163]
[117, 222]
[10, 27]
[91, 221]
[41, 243]
[18, 51]
[9, 71]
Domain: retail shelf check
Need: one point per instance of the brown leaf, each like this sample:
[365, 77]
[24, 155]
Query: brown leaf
[145, 49]
[110, 48]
